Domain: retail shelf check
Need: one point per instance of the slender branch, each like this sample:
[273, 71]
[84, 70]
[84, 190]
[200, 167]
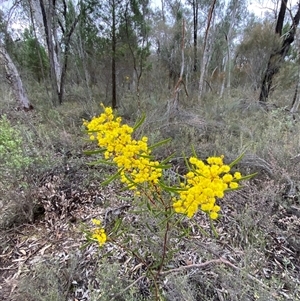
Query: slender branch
[213, 261]
[164, 249]
[180, 80]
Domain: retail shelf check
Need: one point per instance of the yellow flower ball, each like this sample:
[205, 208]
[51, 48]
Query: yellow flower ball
[213, 215]
[237, 175]
[233, 185]
[227, 178]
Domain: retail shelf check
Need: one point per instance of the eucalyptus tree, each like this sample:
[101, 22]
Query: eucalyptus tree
[207, 42]
[88, 44]
[116, 31]
[168, 35]
[195, 7]
[229, 26]
[33, 56]
[257, 42]
[56, 22]
[279, 54]
[12, 74]
[137, 27]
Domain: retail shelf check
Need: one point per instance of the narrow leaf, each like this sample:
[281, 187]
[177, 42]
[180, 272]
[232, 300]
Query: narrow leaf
[171, 189]
[168, 159]
[187, 163]
[247, 177]
[160, 143]
[139, 122]
[145, 156]
[232, 189]
[237, 160]
[117, 226]
[101, 161]
[130, 180]
[110, 179]
[213, 228]
[92, 131]
[194, 151]
[92, 152]
[149, 207]
[161, 166]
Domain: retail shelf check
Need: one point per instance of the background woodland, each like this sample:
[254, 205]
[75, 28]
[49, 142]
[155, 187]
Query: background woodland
[210, 74]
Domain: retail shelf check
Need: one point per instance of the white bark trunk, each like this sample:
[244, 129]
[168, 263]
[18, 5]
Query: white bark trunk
[14, 79]
[205, 60]
[57, 52]
[227, 63]
[38, 17]
[206, 50]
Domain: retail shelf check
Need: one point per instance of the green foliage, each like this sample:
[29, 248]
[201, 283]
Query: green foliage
[253, 53]
[33, 55]
[14, 164]
[12, 156]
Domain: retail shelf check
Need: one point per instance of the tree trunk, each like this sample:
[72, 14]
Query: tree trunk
[227, 59]
[296, 99]
[67, 40]
[277, 58]
[83, 60]
[14, 79]
[195, 32]
[113, 60]
[35, 28]
[206, 49]
[47, 15]
[163, 11]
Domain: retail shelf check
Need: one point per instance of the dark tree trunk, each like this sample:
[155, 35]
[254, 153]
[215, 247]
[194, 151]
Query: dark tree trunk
[281, 15]
[278, 56]
[47, 20]
[67, 39]
[195, 29]
[113, 60]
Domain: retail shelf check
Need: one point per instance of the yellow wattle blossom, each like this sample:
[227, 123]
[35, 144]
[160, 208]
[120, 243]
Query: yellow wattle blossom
[227, 178]
[233, 185]
[204, 184]
[132, 157]
[98, 233]
[96, 222]
[237, 175]
[100, 236]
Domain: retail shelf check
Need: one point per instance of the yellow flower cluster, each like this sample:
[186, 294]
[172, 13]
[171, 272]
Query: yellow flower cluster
[131, 156]
[98, 233]
[204, 183]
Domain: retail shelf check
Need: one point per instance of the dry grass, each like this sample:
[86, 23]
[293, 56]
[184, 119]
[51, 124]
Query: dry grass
[255, 257]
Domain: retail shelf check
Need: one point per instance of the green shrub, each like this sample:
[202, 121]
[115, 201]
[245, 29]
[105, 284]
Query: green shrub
[12, 157]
